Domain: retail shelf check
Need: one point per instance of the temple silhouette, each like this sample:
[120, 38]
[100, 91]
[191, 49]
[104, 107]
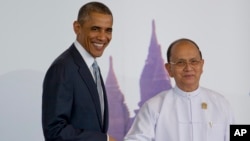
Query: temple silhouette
[154, 79]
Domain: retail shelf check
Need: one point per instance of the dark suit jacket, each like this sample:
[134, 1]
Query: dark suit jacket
[70, 103]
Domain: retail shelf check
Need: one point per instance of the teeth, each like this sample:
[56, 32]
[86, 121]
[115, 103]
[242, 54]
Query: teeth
[98, 45]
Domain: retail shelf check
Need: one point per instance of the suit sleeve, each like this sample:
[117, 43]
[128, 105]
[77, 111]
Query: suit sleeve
[57, 101]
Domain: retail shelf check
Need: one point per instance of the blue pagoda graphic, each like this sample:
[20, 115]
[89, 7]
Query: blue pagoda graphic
[154, 79]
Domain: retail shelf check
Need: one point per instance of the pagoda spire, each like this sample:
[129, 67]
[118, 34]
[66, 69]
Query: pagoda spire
[118, 111]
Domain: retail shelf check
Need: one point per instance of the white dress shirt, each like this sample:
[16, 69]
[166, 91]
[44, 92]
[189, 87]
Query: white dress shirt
[175, 115]
[89, 60]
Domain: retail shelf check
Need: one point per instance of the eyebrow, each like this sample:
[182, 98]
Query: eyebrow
[197, 57]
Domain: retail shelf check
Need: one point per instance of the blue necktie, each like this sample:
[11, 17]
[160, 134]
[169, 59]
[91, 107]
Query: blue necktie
[99, 85]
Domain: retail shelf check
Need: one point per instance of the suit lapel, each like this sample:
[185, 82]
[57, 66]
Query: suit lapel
[88, 79]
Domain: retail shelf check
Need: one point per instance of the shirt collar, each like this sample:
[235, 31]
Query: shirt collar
[180, 92]
[85, 55]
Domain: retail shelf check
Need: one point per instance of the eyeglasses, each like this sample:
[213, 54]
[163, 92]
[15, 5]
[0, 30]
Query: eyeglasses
[183, 63]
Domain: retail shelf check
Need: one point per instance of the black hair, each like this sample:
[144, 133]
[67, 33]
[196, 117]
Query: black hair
[91, 7]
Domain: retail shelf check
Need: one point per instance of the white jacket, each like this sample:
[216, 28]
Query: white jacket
[175, 115]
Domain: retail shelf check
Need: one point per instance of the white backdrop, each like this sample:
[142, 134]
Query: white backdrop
[34, 33]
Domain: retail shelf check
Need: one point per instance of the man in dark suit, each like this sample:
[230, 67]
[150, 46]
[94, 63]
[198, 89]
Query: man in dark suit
[71, 107]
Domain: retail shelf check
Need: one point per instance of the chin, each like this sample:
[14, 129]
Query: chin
[98, 55]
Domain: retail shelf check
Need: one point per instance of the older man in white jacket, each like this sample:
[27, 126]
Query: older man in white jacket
[187, 112]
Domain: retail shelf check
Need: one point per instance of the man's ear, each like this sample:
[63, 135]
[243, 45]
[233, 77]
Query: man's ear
[77, 27]
[168, 68]
[202, 63]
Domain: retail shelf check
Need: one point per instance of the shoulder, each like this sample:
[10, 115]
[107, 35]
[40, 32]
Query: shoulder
[212, 93]
[215, 97]
[65, 56]
[155, 103]
[152, 107]
[65, 60]
[62, 63]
